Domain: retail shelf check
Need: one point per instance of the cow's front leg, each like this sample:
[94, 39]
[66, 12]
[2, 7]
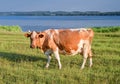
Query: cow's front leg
[48, 61]
[48, 54]
[56, 53]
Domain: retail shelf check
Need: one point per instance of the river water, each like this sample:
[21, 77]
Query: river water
[40, 23]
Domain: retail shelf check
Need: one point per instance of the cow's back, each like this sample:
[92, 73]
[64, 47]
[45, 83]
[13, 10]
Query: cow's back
[70, 40]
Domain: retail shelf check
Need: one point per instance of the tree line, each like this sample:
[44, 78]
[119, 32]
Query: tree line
[60, 13]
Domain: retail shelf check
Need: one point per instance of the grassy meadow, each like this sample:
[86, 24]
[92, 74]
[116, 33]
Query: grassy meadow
[21, 65]
[13, 28]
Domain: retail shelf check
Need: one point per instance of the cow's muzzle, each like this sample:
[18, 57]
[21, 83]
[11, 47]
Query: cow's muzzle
[32, 46]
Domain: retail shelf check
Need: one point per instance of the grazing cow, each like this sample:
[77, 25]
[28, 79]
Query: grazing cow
[64, 41]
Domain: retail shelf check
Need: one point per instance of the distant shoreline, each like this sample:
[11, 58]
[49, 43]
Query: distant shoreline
[60, 13]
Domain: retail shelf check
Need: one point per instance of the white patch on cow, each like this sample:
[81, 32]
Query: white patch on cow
[49, 33]
[74, 52]
[80, 46]
[83, 29]
[33, 34]
[75, 29]
[56, 31]
[79, 29]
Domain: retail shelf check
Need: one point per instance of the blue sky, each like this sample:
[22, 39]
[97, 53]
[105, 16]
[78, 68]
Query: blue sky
[59, 5]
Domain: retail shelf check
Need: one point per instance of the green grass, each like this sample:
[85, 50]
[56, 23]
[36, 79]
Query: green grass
[106, 29]
[21, 65]
[10, 28]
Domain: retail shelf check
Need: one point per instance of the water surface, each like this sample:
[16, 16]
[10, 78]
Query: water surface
[40, 23]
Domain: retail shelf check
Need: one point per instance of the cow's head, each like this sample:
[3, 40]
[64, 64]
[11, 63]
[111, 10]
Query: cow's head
[36, 39]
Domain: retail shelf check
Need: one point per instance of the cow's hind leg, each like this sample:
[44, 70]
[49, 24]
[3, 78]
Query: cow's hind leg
[85, 55]
[91, 62]
[90, 56]
[84, 61]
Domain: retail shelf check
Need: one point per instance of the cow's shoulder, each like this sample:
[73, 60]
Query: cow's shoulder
[49, 43]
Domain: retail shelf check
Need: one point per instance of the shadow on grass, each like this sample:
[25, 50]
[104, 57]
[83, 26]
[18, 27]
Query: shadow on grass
[14, 57]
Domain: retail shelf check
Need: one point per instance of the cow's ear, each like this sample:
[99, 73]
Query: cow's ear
[27, 34]
[41, 35]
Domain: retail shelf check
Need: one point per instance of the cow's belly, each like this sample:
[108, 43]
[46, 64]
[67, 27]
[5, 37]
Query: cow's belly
[71, 52]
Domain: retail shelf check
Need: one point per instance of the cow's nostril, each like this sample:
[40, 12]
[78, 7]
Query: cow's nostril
[32, 46]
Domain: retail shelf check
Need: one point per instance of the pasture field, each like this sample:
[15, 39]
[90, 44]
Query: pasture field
[13, 28]
[21, 65]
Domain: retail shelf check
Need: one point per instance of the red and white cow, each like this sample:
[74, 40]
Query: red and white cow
[64, 41]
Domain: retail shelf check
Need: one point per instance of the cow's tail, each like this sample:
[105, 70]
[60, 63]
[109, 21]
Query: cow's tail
[91, 34]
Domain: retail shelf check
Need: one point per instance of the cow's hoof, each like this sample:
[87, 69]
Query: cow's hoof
[46, 67]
